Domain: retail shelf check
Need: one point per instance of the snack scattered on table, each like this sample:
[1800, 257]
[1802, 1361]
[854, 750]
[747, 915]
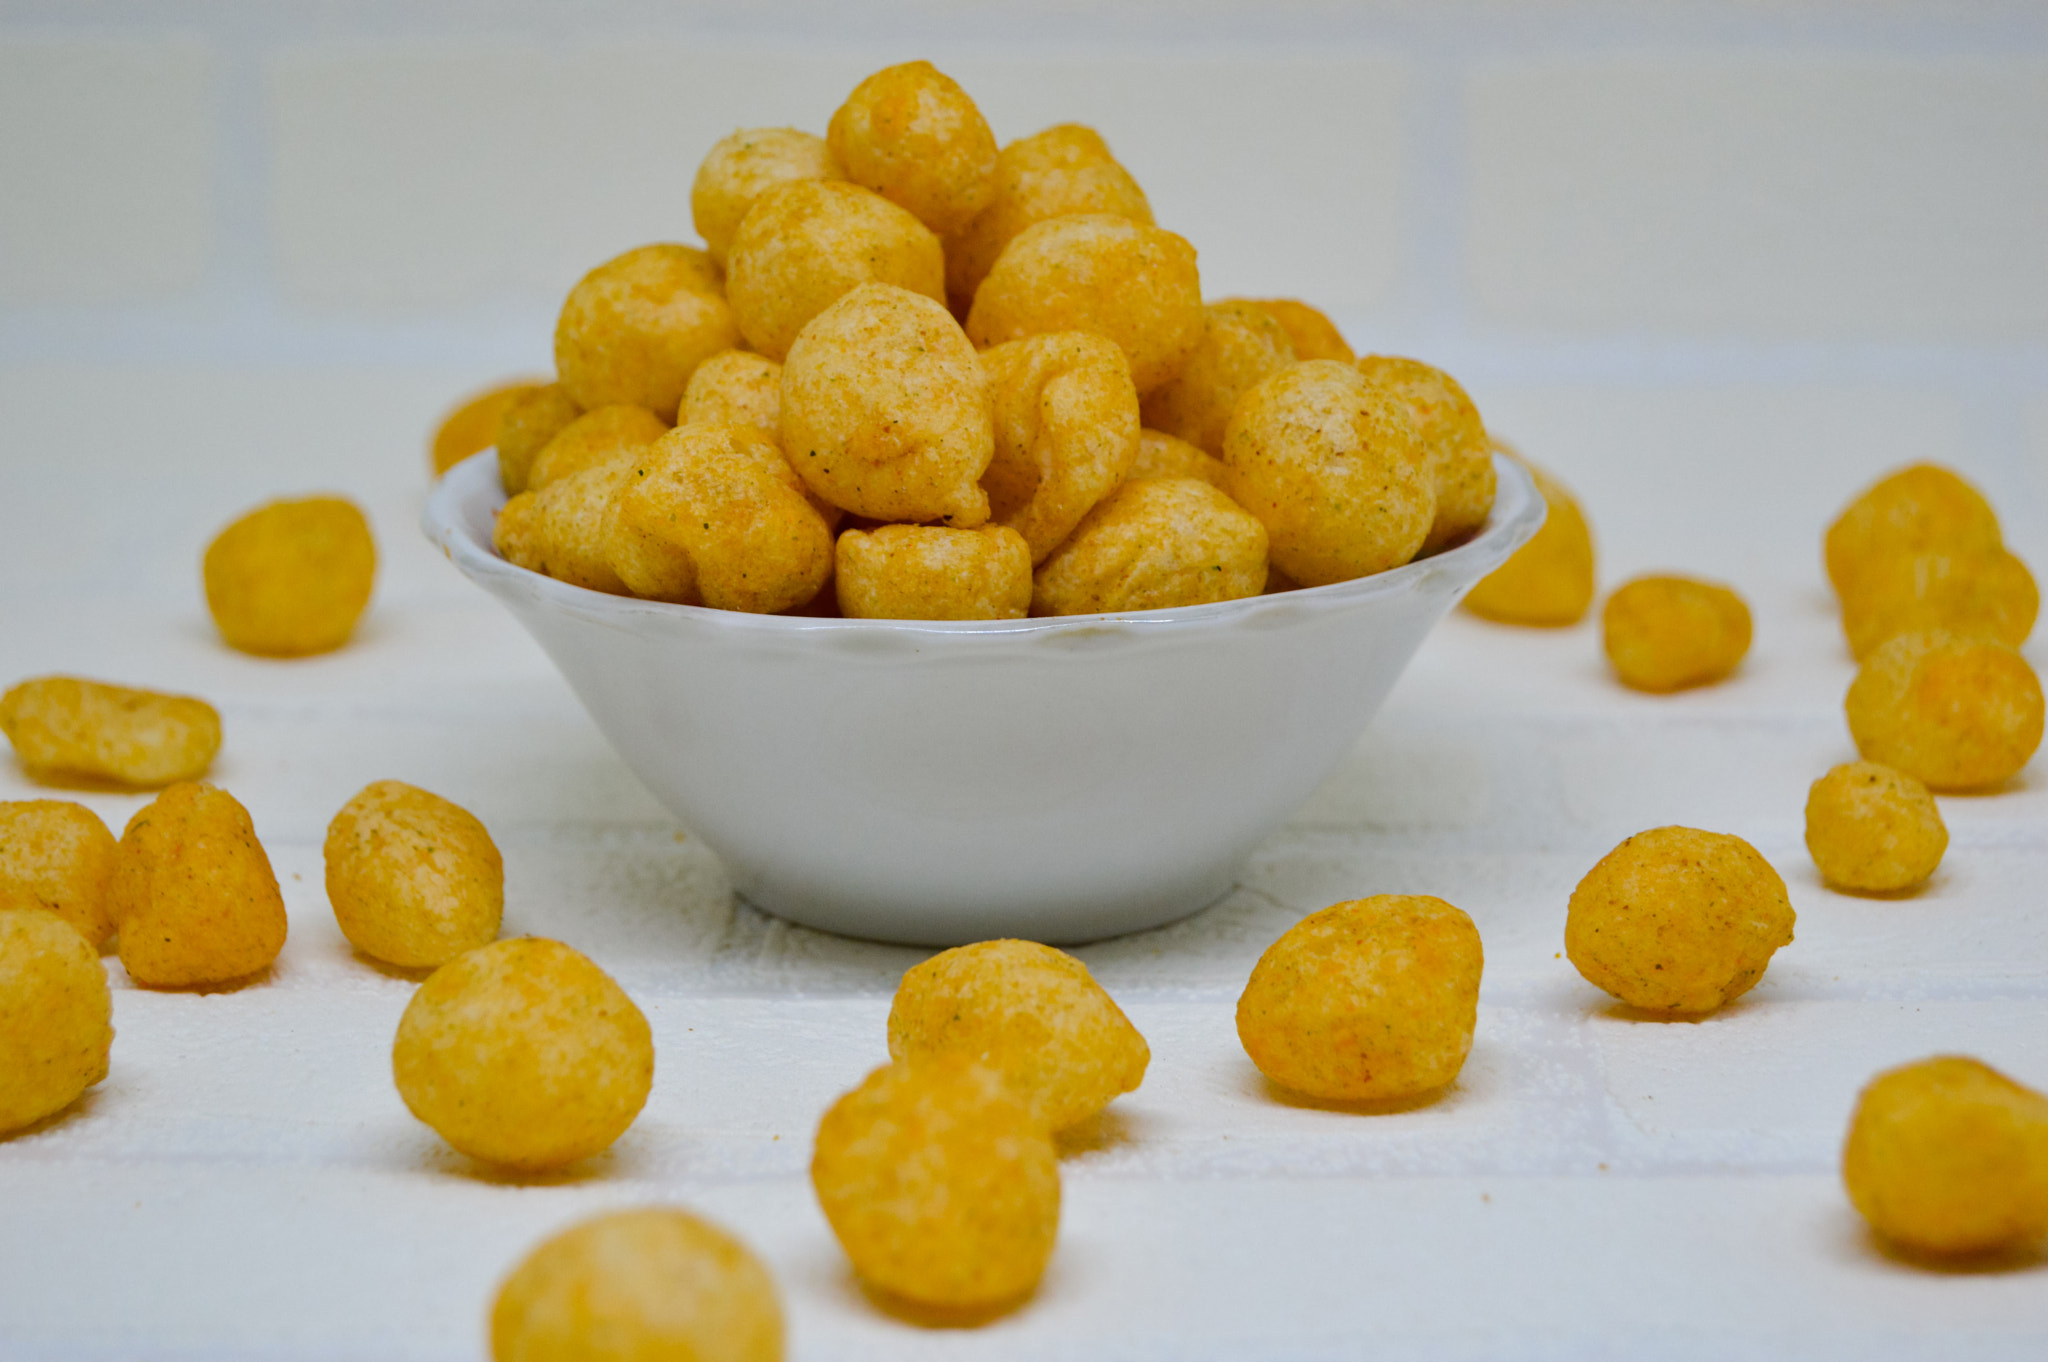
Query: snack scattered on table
[635, 328]
[473, 426]
[1984, 592]
[291, 578]
[413, 879]
[1678, 920]
[651, 1283]
[600, 435]
[194, 895]
[528, 422]
[68, 728]
[941, 1184]
[1066, 432]
[1924, 506]
[1549, 580]
[56, 1016]
[1370, 1000]
[1151, 544]
[929, 572]
[740, 168]
[59, 856]
[1667, 633]
[911, 134]
[524, 1054]
[735, 386]
[1955, 713]
[1238, 345]
[1032, 1014]
[1873, 829]
[1948, 1157]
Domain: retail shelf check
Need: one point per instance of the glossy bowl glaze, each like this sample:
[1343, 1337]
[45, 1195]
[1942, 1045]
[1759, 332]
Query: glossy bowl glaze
[940, 782]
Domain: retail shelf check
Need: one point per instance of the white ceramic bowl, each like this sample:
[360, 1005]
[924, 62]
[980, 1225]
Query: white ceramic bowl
[939, 782]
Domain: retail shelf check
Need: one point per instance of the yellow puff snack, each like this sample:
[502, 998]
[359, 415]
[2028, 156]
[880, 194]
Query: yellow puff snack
[1240, 343]
[599, 435]
[1678, 920]
[649, 1283]
[1955, 713]
[1454, 446]
[473, 426]
[1370, 1000]
[735, 385]
[559, 530]
[1064, 170]
[1667, 633]
[929, 572]
[524, 1054]
[1132, 282]
[1549, 580]
[1873, 829]
[743, 166]
[1330, 466]
[528, 422]
[59, 856]
[1031, 1013]
[635, 328]
[1923, 506]
[1168, 456]
[911, 134]
[1066, 431]
[413, 879]
[1982, 591]
[1314, 335]
[292, 577]
[1151, 545]
[1948, 1157]
[194, 895]
[67, 728]
[56, 1017]
[805, 245]
[940, 1184]
[885, 410]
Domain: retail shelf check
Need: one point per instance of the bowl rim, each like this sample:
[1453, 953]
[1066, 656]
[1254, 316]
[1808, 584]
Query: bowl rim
[1518, 512]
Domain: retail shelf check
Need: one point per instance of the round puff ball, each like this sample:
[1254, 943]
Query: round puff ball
[1033, 1014]
[635, 328]
[1922, 506]
[1678, 920]
[1130, 281]
[1314, 335]
[929, 572]
[559, 530]
[1064, 170]
[805, 245]
[1240, 343]
[740, 168]
[640, 1284]
[597, 436]
[715, 514]
[1956, 713]
[1666, 633]
[1948, 1157]
[1152, 545]
[1370, 1000]
[413, 879]
[1454, 446]
[1330, 465]
[941, 1185]
[885, 410]
[734, 386]
[528, 422]
[291, 578]
[1980, 591]
[473, 427]
[68, 728]
[524, 1054]
[1168, 456]
[56, 1016]
[59, 856]
[1549, 580]
[1066, 431]
[911, 134]
[194, 895]
[1873, 829]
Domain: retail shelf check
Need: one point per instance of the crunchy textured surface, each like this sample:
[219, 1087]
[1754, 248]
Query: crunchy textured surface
[1240, 343]
[1168, 456]
[1954, 713]
[195, 898]
[473, 426]
[635, 328]
[413, 879]
[1152, 544]
[930, 572]
[68, 728]
[734, 385]
[911, 134]
[598, 436]
[740, 168]
[559, 530]
[55, 1016]
[1314, 335]
[1549, 580]
[529, 420]
[59, 856]
[1066, 432]
[1453, 444]
[291, 577]
[1874, 829]
[1665, 633]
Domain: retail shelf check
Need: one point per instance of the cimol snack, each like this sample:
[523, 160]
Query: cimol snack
[1154, 544]
[528, 421]
[559, 531]
[59, 856]
[1066, 432]
[1239, 344]
[1985, 592]
[194, 895]
[911, 134]
[1924, 506]
[930, 572]
[291, 578]
[1452, 444]
[735, 386]
[634, 329]
[1665, 633]
[599, 436]
[1314, 335]
[472, 426]
[413, 879]
[56, 1016]
[68, 728]
[1549, 580]
[741, 168]
[1873, 829]
[1954, 713]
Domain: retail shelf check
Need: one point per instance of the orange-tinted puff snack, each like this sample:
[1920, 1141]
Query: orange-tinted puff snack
[414, 880]
[1922, 506]
[1168, 456]
[1330, 465]
[1132, 282]
[292, 577]
[528, 422]
[1549, 580]
[1873, 829]
[68, 728]
[804, 245]
[56, 1017]
[1240, 344]
[597, 436]
[473, 426]
[1153, 544]
[1678, 920]
[59, 856]
[1454, 446]
[1667, 633]
[1955, 713]
[885, 410]
[911, 134]
[635, 328]
[1064, 170]
[1370, 1000]
[1962, 591]
[743, 166]
[194, 895]
[1314, 335]
[735, 385]
[559, 530]
[1066, 431]
[929, 572]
